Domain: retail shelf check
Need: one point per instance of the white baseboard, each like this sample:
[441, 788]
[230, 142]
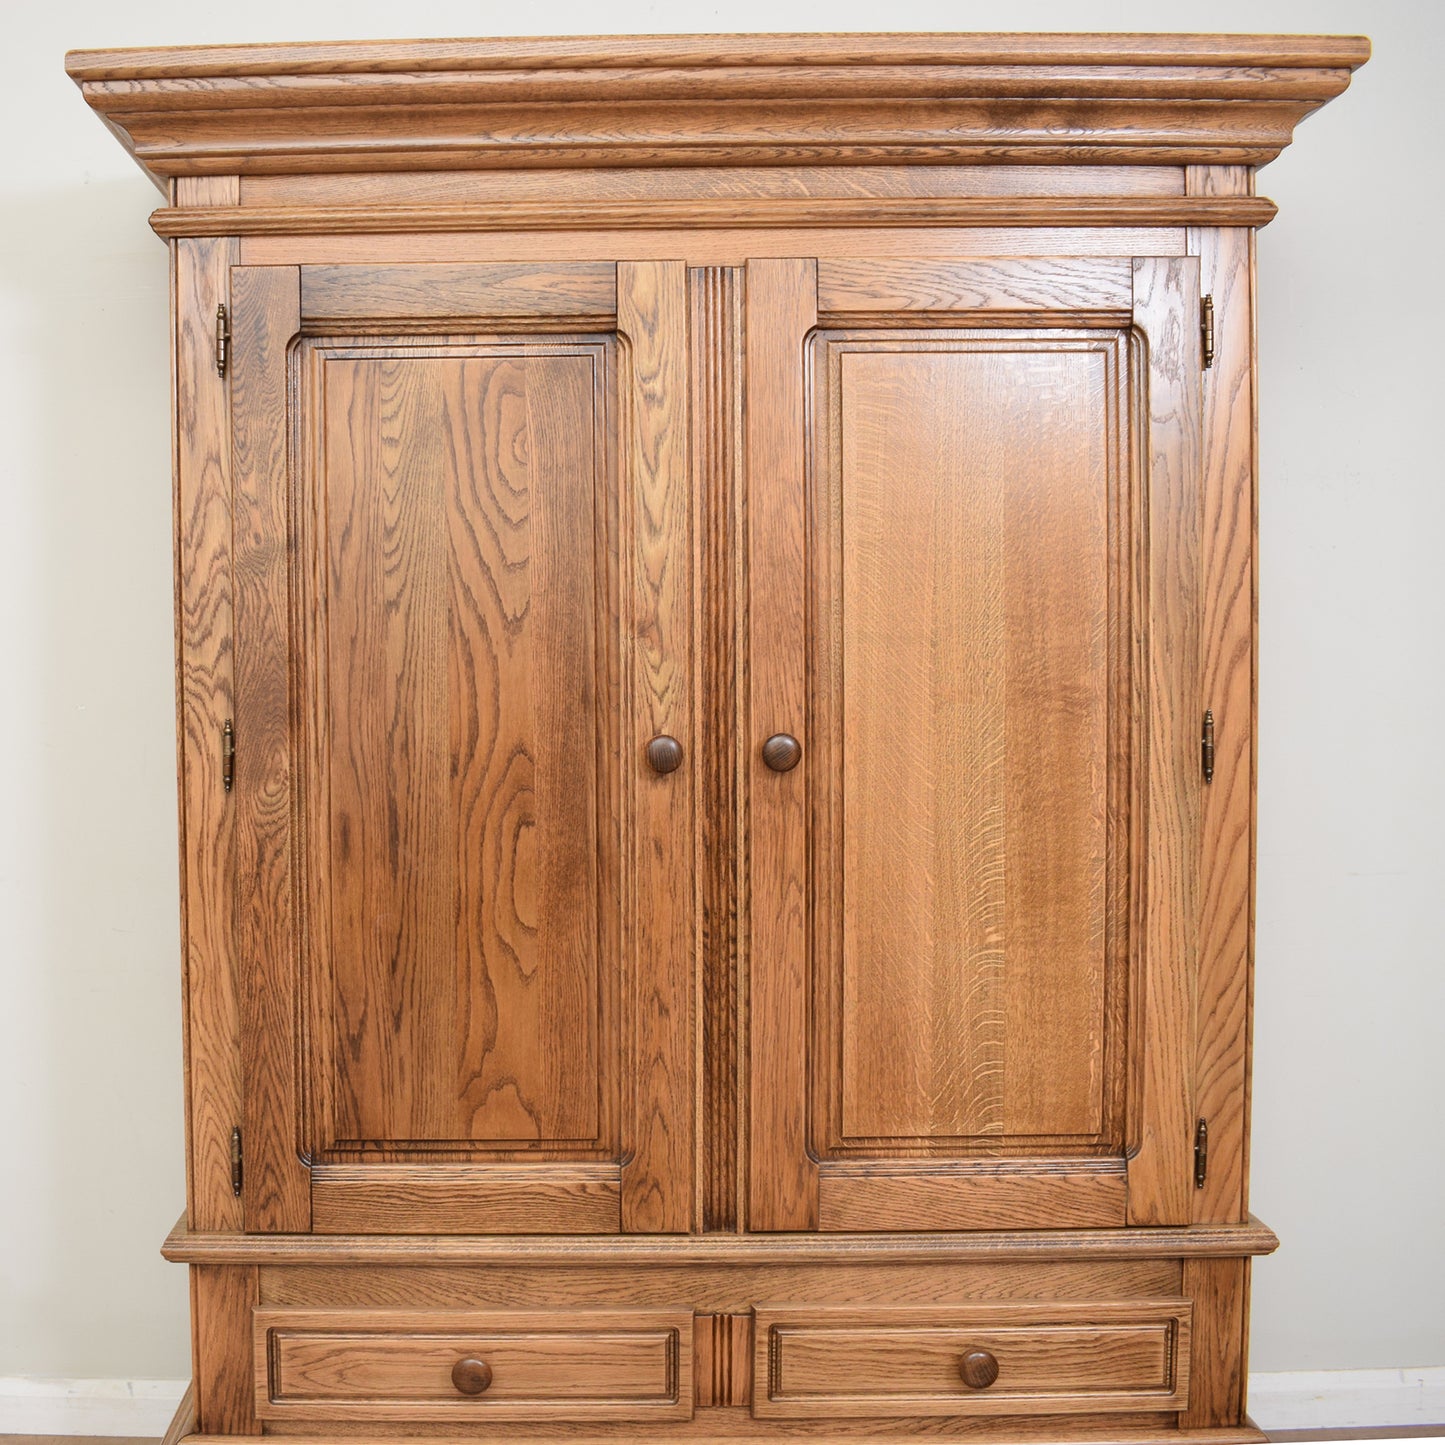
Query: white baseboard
[1305, 1400]
[31, 1406]
[1347, 1399]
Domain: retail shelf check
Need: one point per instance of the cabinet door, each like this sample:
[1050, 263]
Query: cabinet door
[972, 511]
[463, 608]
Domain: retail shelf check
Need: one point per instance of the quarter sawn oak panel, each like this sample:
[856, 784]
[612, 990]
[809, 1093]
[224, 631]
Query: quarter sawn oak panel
[969, 517]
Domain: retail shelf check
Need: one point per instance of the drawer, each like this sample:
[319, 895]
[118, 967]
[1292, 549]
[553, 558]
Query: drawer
[470, 1365]
[811, 1361]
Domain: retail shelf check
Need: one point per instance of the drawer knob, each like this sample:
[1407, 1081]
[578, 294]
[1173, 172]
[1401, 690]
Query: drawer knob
[978, 1368]
[664, 754]
[471, 1376]
[781, 752]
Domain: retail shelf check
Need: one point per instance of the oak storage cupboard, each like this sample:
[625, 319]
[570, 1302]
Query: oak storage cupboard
[716, 677]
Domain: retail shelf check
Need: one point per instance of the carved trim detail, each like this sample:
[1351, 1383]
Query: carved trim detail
[722, 1370]
[715, 299]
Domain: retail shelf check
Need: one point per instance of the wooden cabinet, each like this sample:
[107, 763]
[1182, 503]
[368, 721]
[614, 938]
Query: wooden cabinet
[716, 659]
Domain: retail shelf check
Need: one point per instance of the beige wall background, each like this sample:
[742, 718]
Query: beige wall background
[1348, 1159]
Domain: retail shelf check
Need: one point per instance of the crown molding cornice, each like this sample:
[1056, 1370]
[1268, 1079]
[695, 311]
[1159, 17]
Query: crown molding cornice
[713, 100]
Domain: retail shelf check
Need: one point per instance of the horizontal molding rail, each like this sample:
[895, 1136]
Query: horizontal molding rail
[627, 1251]
[720, 214]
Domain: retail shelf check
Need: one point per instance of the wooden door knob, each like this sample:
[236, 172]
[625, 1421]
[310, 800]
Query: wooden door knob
[664, 754]
[978, 1368]
[781, 752]
[471, 1376]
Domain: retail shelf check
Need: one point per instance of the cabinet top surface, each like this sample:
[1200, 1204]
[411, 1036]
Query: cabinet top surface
[710, 51]
[713, 100]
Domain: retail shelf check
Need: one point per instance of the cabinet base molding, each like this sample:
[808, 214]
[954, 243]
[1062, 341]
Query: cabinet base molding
[1225, 1241]
[1125, 1335]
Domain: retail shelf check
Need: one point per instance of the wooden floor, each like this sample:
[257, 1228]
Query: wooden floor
[1283, 1437]
[1384, 1432]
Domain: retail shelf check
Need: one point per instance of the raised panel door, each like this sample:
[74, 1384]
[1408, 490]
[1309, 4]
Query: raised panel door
[974, 502]
[461, 493]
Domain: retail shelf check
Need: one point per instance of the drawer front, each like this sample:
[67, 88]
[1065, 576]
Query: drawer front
[399, 1365]
[1049, 1359]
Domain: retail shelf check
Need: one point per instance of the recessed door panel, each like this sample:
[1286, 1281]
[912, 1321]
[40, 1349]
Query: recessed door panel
[463, 495]
[970, 487]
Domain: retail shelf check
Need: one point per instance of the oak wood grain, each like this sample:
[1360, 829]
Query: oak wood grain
[853, 58]
[715, 295]
[966, 656]
[266, 316]
[1198, 1241]
[1227, 671]
[736, 1424]
[715, 1288]
[204, 699]
[1220, 1291]
[1060, 1358]
[378, 1365]
[771, 214]
[923, 1194]
[883, 183]
[464, 726]
[335, 294]
[722, 1356]
[661, 947]
[1166, 311]
[528, 1198]
[1052, 283]
[1172, 441]
[699, 100]
[887, 1068]
[576, 996]
[780, 309]
[222, 1299]
[713, 248]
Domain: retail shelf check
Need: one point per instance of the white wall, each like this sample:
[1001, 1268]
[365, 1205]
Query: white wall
[1351, 995]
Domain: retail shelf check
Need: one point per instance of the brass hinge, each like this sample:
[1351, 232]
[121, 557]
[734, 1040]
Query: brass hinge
[1206, 330]
[223, 339]
[228, 755]
[1201, 1152]
[1206, 747]
[236, 1162]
